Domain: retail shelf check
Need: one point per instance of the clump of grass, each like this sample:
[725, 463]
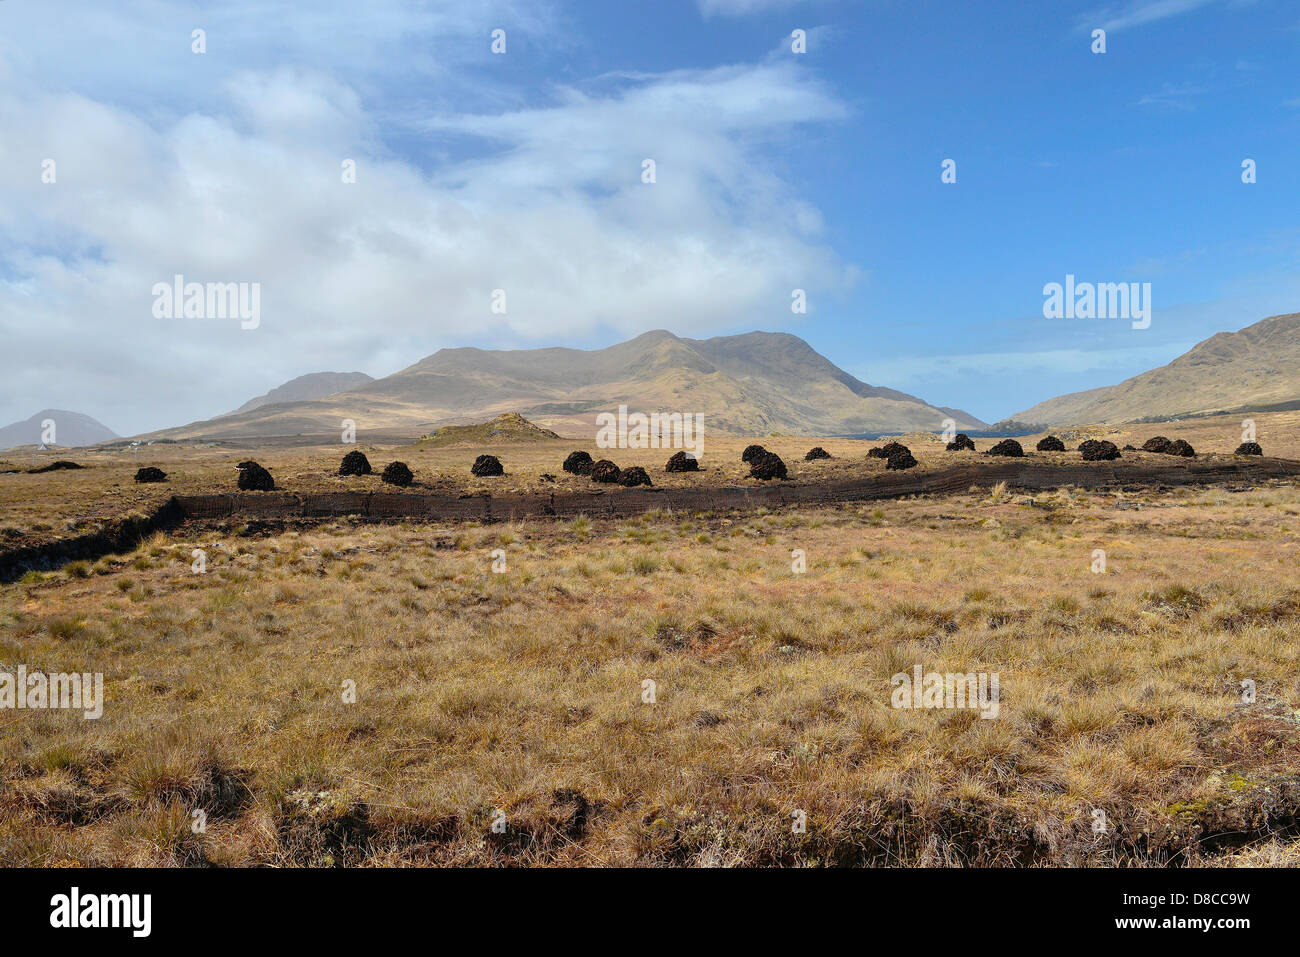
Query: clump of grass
[645, 564]
[1178, 597]
[1065, 604]
[64, 628]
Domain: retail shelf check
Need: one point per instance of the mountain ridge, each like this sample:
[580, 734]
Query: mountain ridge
[752, 383]
[313, 385]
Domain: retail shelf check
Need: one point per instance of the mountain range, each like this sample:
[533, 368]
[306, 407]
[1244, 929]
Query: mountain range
[751, 384]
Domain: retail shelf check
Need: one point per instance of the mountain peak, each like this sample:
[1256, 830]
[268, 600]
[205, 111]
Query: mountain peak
[654, 335]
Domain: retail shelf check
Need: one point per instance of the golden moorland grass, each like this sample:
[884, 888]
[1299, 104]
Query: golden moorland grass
[53, 505]
[517, 697]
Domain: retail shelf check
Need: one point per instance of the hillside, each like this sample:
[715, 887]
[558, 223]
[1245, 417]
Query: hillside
[1253, 369]
[509, 427]
[751, 384]
[315, 385]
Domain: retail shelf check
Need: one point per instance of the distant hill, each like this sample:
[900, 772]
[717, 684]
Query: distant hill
[71, 429]
[315, 385]
[1250, 370]
[507, 427]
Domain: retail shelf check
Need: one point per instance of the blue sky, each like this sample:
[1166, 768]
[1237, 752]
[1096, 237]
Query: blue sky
[522, 171]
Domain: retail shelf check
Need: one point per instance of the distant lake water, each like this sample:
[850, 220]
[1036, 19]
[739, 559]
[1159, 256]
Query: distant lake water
[873, 436]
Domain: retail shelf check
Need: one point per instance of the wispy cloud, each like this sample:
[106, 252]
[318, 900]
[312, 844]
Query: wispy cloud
[1140, 12]
[1174, 96]
[1110, 365]
[742, 8]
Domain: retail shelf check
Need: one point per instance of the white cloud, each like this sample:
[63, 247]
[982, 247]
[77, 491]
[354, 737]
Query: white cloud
[544, 201]
[143, 47]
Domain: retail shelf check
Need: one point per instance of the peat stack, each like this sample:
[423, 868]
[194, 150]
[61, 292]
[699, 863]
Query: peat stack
[486, 466]
[150, 474]
[578, 463]
[751, 453]
[397, 473]
[1249, 448]
[58, 466]
[1009, 448]
[606, 472]
[1050, 444]
[634, 476]
[888, 449]
[681, 462]
[901, 459]
[768, 466]
[1181, 447]
[1157, 444]
[1098, 451]
[815, 453]
[961, 443]
[254, 478]
[355, 463]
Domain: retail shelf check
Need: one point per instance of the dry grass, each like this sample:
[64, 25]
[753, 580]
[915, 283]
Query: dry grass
[522, 691]
[41, 508]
